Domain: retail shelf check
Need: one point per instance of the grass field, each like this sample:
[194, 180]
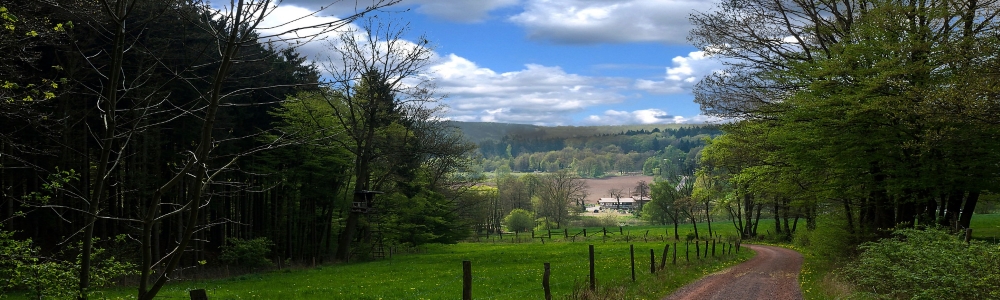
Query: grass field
[986, 227]
[500, 271]
[507, 269]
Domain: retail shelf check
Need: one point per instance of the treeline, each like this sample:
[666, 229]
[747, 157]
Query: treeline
[142, 138]
[593, 152]
[877, 116]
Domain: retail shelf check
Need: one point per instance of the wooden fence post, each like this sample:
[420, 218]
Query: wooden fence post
[566, 232]
[687, 251]
[713, 247]
[545, 283]
[585, 232]
[652, 262]
[675, 253]
[706, 249]
[631, 252]
[198, 294]
[663, 258]
[968, 235]
[593, 281]
[620, 230]
[466, 280]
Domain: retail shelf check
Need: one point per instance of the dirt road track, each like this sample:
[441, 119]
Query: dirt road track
[772, 274]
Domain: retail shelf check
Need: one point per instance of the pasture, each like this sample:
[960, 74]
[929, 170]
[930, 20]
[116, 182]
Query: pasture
[508, 268]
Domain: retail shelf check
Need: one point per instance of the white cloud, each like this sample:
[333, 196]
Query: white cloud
[609, 21]
[311, 43]
[684, 74]
[451, 10]
[536, 94]
[646, 116]
[461, 10]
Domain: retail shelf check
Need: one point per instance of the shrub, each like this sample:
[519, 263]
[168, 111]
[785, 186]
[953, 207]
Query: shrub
[519, 220]
[828, 239]
[247, 253]
[927, 264]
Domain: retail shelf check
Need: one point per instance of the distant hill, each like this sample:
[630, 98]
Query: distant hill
[478, 132]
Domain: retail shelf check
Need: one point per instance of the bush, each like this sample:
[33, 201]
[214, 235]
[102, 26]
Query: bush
[519, 220]
[829, 239]
[927, 264]
[247, 253]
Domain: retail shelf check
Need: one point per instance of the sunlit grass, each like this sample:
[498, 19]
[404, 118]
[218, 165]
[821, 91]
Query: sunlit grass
[501, 270]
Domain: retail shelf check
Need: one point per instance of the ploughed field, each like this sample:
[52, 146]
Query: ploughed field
[597, 188]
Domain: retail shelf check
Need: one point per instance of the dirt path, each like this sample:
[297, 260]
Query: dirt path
[772, 274]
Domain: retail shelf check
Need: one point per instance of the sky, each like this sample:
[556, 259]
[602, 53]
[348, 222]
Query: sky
[547, 62]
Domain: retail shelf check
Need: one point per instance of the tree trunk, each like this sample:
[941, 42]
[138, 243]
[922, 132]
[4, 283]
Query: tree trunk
[970, 206]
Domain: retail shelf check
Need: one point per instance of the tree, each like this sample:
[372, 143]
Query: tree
[375, 93]
[666, 204]
[136, 88]
[519, 220]
[556, 193]
[860, 102]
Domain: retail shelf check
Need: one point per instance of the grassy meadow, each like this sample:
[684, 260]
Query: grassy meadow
[510, 268]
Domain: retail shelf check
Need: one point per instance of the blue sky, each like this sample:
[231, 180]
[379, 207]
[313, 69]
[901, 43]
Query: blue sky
[553, 62]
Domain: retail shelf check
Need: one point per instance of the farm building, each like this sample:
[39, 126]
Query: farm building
[622, 203]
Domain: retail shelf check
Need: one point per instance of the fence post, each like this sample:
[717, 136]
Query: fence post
[593, 281]
[545, 283]
[550, 234]
[620, 230]
[566, 232]
[585, 232]
[968, 235]
[198, 294]
[605, 230]
[532, 233]
[645, 235]
[713, 247]
[652, 262]
[675, 253]
[687, 251]
[663, 258]
[466, 280]
[631, 252]
[706, 249]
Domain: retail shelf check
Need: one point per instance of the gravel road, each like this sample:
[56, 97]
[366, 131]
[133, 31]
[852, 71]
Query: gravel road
[772, 274]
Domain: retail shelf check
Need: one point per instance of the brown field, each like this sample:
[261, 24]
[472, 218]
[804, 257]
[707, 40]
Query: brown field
[598, 188]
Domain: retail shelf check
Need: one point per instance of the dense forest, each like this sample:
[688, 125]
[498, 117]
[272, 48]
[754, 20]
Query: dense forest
[145, 138]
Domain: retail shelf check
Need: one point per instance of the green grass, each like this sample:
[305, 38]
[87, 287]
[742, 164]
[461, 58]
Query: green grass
[986, 227]
[501, 270]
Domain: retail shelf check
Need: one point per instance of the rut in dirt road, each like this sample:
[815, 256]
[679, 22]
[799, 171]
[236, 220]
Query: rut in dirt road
[772, 274]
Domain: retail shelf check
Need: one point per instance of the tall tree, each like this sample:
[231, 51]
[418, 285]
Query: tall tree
[375, 93]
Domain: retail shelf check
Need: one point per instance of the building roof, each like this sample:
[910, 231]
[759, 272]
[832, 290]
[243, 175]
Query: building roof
[616, 200]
